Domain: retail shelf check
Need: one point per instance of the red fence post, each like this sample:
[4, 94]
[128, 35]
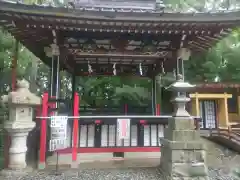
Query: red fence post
[75, 130]
[158, 110]
[125, 109]
[43, 132]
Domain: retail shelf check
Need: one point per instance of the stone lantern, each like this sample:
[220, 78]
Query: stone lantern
[182, 151]
[20, 122]
[180, 88]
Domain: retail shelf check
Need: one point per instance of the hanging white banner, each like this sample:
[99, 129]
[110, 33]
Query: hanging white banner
[123, 127]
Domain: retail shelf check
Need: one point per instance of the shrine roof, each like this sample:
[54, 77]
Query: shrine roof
[119, 5]
[146, 31]
[125, 11]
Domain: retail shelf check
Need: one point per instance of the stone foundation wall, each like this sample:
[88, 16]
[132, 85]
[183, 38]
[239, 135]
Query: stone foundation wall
[183, 152]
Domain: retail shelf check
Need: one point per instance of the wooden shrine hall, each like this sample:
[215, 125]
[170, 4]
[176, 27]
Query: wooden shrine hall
[137, 38]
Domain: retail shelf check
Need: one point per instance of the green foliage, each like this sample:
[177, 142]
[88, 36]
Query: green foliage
[202, 68]
[221, 62]
[99, 91]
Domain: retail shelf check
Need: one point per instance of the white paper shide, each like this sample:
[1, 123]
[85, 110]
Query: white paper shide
[123, 127]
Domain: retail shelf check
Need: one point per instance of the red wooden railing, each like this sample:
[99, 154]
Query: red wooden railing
[230, 133]
[229, 137]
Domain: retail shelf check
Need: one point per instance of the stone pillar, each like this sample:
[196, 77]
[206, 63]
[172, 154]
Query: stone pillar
[20, 123]
[182, 152]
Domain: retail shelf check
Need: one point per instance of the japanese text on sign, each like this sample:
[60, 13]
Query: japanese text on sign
[58, 126]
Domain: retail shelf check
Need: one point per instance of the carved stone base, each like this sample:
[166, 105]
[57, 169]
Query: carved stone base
[18, 148]
[182, 152]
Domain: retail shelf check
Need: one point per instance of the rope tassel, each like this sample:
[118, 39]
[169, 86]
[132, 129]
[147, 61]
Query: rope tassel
[89, 68]
[162, 66]
[114, 69]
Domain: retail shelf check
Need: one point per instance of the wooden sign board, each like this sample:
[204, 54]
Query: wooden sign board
[58, 126]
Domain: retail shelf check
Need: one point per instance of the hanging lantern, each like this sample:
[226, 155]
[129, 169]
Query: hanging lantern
[184, 54]
[48, 51]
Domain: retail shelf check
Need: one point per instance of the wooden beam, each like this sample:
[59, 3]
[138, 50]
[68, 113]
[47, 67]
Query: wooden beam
[199, 46]
[89, 55]
[115, 26]
[79, 47]
[115, 35]
[210, 96]
[24, 32]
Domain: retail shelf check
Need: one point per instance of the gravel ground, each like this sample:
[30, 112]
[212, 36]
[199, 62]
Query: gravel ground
[110, 174]
[223, 160]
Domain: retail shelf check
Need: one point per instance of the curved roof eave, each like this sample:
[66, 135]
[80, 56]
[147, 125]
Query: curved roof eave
[82, 13]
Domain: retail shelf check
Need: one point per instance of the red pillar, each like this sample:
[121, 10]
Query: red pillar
[75, 130]
[43, 132]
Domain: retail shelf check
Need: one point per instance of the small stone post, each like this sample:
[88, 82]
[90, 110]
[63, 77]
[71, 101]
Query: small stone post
[182, 152]
[20, 104]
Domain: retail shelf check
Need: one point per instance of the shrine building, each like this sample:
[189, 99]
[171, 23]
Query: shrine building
[217, 103]
[103, 38]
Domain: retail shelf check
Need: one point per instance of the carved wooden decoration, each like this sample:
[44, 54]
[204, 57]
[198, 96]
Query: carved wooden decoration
[118, 46]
